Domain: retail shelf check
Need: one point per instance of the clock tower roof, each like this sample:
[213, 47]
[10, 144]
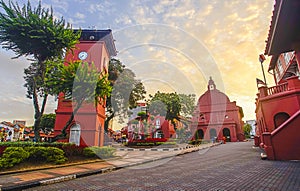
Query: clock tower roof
[99, 35]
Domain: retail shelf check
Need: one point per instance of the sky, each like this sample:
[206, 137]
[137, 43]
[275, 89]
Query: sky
[171, 45]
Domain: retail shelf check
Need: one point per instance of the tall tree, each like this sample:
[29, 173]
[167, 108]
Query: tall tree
[171, 103]
[47, 122]
[187, 104]
[126, 91]
[35, 33]
[80, 82]
[247, 129]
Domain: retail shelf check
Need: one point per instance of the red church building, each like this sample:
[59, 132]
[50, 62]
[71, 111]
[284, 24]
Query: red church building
[216, 117]
[278, 107]
[87, 128]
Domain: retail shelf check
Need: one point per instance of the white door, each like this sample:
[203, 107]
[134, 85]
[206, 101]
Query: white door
[75, 134]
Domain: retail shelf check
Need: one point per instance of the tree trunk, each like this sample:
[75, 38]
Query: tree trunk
[37, 115]
[107, 120]
[63, 131]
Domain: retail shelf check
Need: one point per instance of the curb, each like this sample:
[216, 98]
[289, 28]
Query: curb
[50, 167]
[22, 186]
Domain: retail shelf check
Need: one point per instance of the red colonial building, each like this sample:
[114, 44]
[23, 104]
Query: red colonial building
[87, 128]
[278, 107]
[152, 127]
[216, 117]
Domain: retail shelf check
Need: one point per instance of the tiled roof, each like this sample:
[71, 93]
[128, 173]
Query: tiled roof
[99, 35]
[284, 28]
[272, 24]
[7, 123]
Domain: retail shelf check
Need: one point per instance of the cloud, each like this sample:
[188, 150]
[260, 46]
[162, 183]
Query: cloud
[233, 32]
[194, 39]
[79, 15]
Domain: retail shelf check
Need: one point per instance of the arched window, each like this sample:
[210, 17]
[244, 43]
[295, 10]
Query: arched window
[75, 134]
[280, 118]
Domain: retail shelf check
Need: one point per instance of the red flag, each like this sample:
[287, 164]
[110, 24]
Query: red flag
[260, 82]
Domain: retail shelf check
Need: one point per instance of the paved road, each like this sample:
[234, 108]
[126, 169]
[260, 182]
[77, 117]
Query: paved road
[233, 166]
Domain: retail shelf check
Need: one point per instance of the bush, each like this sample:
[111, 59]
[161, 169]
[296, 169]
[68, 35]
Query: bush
[30, 143]
[12, 156]
[72, 150]
[165, 143]
[145, 144]
[48, 154]
[101, 152]
[55, 155]
[36, 153]
[89, 152]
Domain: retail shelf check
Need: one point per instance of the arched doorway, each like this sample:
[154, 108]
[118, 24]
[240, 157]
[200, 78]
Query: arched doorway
[75, 134]
[213, 133]
[226, 134]
[199, 134]
[280, 118]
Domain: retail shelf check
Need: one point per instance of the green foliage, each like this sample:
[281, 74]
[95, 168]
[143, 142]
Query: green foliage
[81, 82]
[30, 143]
[78, 81]
[247, 129]
[89, 152]
[134, 122]
[158, 107]
[142, 114]
[187, 103]
[13, 156]
[169, 143]
[47, 122]
[34, 31]
[145, 144]
[72, 150]
[55, 155]
[126, 91]
[101, 152]
[36, 153]
[48, 154]
[172, 105]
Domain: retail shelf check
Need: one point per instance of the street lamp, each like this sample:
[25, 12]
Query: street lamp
[262, 59]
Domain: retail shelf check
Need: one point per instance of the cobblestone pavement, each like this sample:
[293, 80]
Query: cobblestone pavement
[232, 166]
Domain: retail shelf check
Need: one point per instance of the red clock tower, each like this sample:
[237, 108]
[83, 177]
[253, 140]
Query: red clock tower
[87, 128]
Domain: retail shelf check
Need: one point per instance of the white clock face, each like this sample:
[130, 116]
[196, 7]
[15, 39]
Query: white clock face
[82, 55]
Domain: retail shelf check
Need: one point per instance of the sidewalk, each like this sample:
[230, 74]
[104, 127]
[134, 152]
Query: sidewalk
[127, 158]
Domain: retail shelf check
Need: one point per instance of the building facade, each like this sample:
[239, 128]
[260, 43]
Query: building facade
[87, 128]
[216, 117]
[153, 126]
[278, 107]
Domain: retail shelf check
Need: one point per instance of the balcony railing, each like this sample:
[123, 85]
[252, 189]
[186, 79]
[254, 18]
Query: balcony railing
[278, 89]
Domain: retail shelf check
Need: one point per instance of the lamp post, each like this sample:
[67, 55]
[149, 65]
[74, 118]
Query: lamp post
[262, 59]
